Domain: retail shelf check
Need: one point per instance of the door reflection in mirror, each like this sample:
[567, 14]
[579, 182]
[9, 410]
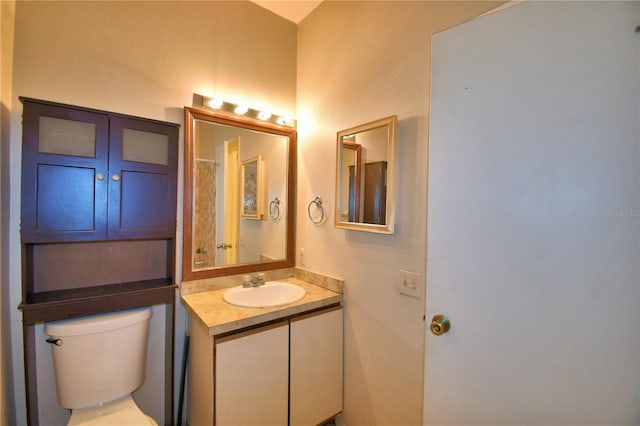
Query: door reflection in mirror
[351, 167]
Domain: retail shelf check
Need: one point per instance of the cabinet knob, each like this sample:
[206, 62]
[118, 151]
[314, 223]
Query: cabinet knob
[115, 177]
[100, 177]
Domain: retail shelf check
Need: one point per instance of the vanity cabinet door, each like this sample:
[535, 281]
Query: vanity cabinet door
[251, 377]
[316, 357]
[64, 169]
[143, 159]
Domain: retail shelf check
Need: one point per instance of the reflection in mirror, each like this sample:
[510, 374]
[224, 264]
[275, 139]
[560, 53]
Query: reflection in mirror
[351, 166]
[234, 167]
[365, 176]
[252, 188]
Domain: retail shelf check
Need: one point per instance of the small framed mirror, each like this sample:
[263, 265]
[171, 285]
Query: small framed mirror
[365, 177]
[252, 188]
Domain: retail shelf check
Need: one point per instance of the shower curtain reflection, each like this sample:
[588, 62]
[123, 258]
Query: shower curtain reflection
[205, 214]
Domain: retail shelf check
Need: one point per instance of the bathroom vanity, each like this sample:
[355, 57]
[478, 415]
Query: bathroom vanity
[250, 364]
[265, 366]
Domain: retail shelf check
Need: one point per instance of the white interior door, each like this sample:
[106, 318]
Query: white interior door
[533, 236]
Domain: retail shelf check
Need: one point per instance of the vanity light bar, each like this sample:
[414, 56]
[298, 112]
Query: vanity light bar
[239, 109]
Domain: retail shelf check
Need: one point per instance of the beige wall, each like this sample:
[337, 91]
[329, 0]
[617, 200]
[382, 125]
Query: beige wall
[144, 59]
[7, 10]
[357, 62]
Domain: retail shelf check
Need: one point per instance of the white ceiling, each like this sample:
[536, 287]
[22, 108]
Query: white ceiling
[293, 10]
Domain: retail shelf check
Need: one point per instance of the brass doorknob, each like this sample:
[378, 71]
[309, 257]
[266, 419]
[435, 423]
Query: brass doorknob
[440, 325]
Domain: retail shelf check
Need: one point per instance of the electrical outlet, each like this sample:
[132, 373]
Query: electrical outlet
[301, 257]
[410, 284]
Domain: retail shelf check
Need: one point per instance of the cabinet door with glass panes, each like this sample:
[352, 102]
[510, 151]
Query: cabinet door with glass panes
[88, 175]
[143, 158]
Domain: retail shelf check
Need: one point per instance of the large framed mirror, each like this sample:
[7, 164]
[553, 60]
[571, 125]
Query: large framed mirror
[236, 170]
[365, 177]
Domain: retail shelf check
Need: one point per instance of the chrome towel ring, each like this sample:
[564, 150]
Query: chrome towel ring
[317, 202]
[274, 209]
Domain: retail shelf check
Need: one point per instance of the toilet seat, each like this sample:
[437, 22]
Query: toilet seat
[123, 411]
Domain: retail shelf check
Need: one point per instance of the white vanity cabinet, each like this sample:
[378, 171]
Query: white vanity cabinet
[252, 377]
[315, 367]
[284, 373]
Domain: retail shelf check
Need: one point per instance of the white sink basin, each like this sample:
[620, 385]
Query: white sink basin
[272, 293]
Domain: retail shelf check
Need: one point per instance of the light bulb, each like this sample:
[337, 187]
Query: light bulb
[264, 115]
[284, 120]
[241, 109]
[215, 102]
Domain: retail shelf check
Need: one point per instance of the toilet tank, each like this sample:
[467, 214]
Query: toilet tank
[100, 357]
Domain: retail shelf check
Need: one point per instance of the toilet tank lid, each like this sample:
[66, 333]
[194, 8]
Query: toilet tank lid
[97, 323]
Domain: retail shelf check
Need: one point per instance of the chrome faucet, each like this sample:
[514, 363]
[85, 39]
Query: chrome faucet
[255, 281]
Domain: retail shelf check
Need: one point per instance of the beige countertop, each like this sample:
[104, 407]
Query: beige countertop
[220, 317]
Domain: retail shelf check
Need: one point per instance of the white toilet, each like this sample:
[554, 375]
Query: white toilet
[99, 360]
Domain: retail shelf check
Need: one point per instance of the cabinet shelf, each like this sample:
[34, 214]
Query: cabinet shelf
[63, 304]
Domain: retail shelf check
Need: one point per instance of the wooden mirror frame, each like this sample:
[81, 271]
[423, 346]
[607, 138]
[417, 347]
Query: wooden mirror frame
[190, 116]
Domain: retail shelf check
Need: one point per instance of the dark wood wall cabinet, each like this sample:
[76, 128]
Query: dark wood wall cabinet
[98, 220]
[90, 176]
